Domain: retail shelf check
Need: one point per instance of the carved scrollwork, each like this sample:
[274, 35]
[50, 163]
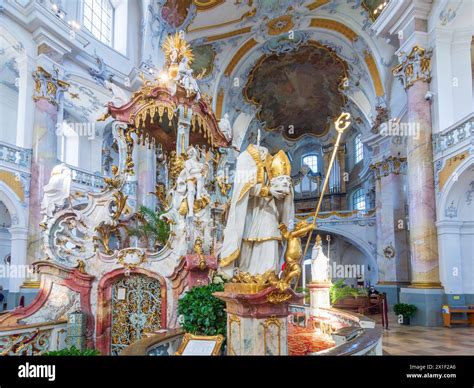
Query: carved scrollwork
[415, 66]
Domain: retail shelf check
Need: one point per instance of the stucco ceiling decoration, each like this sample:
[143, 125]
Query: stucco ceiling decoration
[317, 4]
[298, 93]
[280, 25]
[204, 5]
[85, 100]
[246, 15]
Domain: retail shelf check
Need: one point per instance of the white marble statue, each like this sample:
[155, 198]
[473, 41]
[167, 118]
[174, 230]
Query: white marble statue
[186, 79]
[319, 263]
[119, 96]
[191, 180]
[226, 127]
[57, 190]
[262, 199]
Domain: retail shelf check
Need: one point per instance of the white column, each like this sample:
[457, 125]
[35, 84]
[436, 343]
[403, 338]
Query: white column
[26, 105]
[462, 73]
[19, 239]
[146, 175]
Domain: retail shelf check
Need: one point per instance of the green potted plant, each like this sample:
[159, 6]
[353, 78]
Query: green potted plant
[341, 290]
[151, 228]
[404, 311]
[72, 351]
[201, 312]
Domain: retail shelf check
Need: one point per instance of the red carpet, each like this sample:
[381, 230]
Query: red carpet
[303, 341]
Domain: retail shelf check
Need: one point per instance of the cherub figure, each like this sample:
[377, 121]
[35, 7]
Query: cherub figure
[293, 252]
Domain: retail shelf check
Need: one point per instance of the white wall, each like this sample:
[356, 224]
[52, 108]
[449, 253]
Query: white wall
[8, 114]
[456, 232]
[467, 252]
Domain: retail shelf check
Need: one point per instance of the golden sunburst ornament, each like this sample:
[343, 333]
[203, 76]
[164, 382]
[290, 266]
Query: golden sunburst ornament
[176, 48]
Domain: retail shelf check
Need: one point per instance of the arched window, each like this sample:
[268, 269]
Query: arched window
[358, 148]
[98, 19]
[311, 161]
[358, 200]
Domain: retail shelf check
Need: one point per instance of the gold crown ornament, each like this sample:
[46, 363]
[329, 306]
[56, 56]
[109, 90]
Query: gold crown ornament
[280, 164]
[176, 48]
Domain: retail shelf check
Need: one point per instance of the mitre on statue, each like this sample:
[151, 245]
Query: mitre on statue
[280, 165]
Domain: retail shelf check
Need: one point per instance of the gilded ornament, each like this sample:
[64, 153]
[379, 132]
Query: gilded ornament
[223, 185]
[413, 67]
[116, 181]
[199, 251]
[277, 297]
[131, 258]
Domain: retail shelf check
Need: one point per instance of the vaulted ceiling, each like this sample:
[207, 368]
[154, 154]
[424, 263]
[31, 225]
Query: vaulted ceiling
[257, 59]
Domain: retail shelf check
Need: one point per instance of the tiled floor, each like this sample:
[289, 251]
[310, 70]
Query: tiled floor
[419, 340]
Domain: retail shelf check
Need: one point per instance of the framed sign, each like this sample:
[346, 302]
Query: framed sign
[200, 345]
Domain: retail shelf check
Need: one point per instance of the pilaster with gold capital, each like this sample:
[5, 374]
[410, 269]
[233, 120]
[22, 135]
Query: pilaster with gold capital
[47, 96]
[48, 86]
[414, 71]
[414, 66]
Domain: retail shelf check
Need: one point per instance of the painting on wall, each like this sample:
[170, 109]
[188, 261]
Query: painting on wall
[203, 63]
[298, 93]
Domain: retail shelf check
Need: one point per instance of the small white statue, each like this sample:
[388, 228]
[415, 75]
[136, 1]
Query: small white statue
[57, 190]
[319, 263]
[119, 96]
[191, 180]
[225, 127]
[186, 80]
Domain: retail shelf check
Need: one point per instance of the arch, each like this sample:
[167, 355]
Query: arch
[14, 206]
[455, 232]
[359, 243]
[104, 304]
[450, 185]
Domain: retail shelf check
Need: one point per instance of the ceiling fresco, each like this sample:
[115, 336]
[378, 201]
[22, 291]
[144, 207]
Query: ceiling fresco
[175, 12]
[298, 93]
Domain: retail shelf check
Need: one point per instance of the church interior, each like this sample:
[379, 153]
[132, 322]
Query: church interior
[237, 177]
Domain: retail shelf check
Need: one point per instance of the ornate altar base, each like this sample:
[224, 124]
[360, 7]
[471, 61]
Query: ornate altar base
[257, 321]
[198, 267]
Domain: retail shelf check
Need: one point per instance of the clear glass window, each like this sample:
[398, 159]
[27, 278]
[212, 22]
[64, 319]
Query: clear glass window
[98, 19]
[358, 200]
[311, 161]
[358, 148]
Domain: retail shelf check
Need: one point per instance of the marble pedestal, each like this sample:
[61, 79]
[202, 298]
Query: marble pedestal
[319, 296]
[257, 320]
[198, 269]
